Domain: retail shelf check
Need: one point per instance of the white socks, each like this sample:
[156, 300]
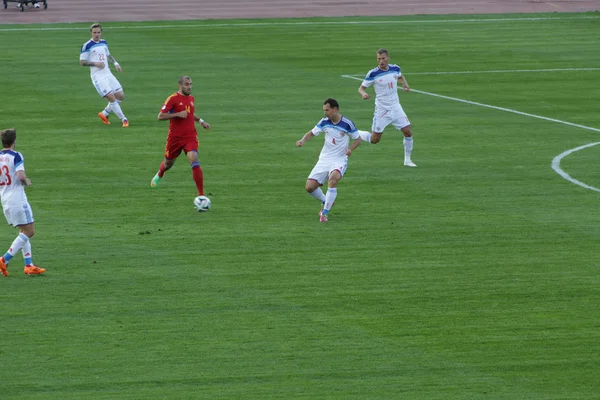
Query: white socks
[116, 108]
[16, 245]
[26, 250]
[365, 136]
[408, 146]
[318, 194]
[330, 198]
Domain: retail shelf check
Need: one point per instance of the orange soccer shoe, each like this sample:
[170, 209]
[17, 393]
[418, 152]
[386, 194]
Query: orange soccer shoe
[3, 267]
[104, 118]
[125, 123]
[33, 270]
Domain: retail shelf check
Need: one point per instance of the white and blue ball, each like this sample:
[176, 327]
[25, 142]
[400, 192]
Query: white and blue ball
[202, 203]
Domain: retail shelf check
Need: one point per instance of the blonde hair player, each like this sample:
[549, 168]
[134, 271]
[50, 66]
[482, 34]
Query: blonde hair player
[95, 54]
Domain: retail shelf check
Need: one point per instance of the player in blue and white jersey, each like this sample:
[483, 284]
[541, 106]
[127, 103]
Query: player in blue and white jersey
[384, 79]
[95, 54]
[333, 159]
[14, 203]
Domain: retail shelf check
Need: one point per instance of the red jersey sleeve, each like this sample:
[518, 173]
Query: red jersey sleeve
[168, 105]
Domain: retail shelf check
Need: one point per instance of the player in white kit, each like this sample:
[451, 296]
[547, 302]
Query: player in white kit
[384, 79]
[14, 203]
[333, 159]
[95, 54]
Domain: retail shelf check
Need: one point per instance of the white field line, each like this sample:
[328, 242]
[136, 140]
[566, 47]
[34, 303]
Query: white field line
[208, 23]
[555, 161]
[556, 166]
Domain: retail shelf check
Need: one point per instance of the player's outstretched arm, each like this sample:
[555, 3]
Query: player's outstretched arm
[307, 136]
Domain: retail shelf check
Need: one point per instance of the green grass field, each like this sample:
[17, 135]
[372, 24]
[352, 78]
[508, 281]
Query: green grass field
[474, 276]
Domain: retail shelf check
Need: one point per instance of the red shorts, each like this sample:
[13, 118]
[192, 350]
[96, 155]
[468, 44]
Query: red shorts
[177, 144]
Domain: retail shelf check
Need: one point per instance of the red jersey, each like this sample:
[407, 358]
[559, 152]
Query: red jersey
[180, 127]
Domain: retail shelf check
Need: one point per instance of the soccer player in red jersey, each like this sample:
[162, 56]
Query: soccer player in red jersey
[179, 111]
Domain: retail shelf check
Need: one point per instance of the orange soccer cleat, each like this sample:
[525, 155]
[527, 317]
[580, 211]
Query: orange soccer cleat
[125, 123]
[3, 267]
[104, 118]
[33, 270]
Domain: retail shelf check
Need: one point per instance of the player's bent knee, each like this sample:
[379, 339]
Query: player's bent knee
[28, 231]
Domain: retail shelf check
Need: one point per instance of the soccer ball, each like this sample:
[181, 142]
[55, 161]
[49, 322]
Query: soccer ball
[201, 203]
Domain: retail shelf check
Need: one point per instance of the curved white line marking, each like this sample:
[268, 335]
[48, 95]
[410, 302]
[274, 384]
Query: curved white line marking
[556, 166]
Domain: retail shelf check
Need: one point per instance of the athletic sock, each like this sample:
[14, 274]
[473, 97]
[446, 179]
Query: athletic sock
[116, 108]
[161, 169]
[365, 136]
[318, 194]
[329, 199]
[16, 245]
[198, 177]
[408, 146]
[107, 109]
[26, 250]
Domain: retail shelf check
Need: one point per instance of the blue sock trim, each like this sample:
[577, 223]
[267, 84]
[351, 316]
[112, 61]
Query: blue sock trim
[28, 260]
[195, 164]
[7, 257]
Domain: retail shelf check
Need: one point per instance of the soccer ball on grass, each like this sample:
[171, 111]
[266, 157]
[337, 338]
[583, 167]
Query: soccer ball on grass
[201, 203]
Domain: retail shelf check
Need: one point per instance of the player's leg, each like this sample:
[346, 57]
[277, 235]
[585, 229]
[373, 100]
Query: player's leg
[173, 149]
[120, 95]
[103, 88]
[315, 180]
[104, 114]
[402, 123]
[30, 268]
[335, 175]
[116, 108]
[330, 196]
[197, 173]
[164, 166]
[22, 218]
[408, 146]
[381, 119]
[313, 187]
[115, 101]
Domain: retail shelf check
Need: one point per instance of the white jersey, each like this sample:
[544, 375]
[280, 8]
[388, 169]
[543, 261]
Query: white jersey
[385, 84]
[12, 190]
[94, 52]
[337, 137]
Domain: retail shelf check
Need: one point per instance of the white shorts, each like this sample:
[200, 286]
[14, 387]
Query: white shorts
[19, 215]
[321, 171]
[383, 118]
[106, 84]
